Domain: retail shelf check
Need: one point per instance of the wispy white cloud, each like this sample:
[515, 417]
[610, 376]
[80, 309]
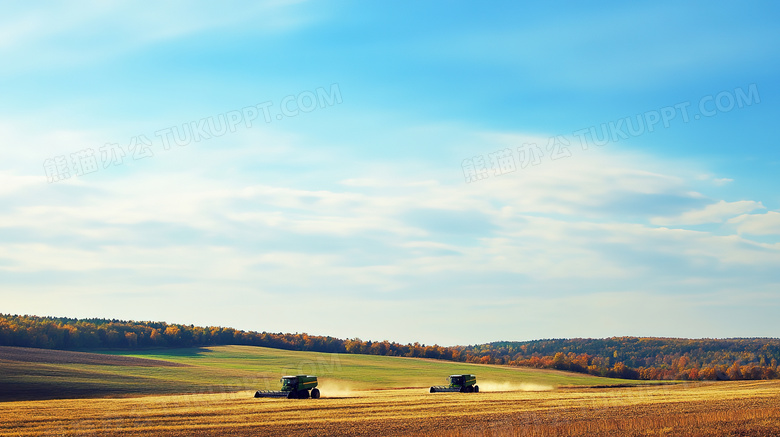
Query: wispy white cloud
[718, 182]
[722, 181]
[758, 224]
[714, 213]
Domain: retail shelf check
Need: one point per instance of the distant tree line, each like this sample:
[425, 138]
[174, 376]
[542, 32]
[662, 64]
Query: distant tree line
[645, 358]
[616, 357]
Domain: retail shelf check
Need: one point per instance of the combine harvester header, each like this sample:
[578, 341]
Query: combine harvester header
[293, 387]
[459, 383]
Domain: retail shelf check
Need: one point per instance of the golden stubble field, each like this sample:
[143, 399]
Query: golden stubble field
[701, 409]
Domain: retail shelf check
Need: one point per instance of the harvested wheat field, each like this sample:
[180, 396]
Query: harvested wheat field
[701, 409]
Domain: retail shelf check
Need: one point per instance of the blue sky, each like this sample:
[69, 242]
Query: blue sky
[360, 208]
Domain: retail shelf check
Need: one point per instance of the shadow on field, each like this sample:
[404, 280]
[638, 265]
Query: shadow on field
[38, 374]
[54, 356]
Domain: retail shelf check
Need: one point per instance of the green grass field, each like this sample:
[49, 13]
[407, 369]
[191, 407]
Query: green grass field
[236, 368]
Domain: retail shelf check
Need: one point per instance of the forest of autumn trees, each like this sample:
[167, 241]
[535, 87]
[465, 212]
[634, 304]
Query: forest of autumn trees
[617, 357]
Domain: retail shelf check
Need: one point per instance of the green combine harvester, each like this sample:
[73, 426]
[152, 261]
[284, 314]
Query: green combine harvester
[293, 387]
[459, 383]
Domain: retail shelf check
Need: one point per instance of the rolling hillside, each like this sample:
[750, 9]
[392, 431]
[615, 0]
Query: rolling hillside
[50, 374]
